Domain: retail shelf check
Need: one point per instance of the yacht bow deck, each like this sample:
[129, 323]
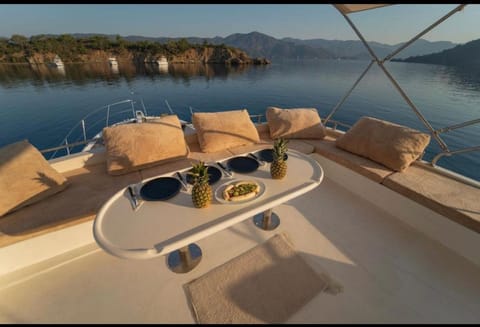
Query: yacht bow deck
[389, 272]
[403, 247]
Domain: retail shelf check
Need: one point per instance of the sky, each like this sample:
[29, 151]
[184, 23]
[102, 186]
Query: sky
[391, 24]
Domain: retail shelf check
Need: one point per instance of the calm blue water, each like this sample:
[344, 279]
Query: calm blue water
[43, 104]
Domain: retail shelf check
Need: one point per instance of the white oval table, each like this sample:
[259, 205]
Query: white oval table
[161, 227]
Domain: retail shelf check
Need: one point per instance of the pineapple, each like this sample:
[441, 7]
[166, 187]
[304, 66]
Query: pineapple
[201, 191]
[278, 168]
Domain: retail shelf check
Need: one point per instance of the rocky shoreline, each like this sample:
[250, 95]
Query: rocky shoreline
[207, 55]
[43, 49]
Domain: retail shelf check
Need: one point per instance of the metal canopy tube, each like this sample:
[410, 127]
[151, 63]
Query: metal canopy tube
[425, 31]
[339, 104]
[360, 36]
[452, 127]
[395, 84]
[414, 108]
[353, 8]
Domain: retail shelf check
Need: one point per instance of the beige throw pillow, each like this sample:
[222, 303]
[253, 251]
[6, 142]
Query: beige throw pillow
[391, 145]
[136, 146]
[217, 131]
[26, 177]
[295, 123]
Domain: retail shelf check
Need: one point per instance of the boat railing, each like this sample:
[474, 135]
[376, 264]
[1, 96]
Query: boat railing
[68, 143]
[335, 124]
[104, 116]
[444, 153]
[73, 139]
[447, 152]
[95, 121]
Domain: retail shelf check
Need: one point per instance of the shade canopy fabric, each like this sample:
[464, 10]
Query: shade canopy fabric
[352, 8]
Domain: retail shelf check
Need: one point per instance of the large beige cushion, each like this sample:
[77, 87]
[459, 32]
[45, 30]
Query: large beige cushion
[89, 188]
[26, 177]
[295, 123]
[222, 130]
[361, 165]
[392, 145]
[136, 146]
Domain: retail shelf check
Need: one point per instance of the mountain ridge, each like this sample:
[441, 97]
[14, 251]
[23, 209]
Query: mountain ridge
[467, 54]
[293, 48]
[258, 44]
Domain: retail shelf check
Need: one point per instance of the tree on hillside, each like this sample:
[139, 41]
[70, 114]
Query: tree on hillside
[20, 40]
[18, 47]
[120, 42]
[183, 45]
[98, 42]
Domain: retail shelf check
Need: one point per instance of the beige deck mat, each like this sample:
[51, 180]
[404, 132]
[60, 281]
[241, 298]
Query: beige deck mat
[266, 284]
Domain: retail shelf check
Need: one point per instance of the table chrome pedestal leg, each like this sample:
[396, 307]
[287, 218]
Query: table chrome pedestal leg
[183, 260]
[266, 220]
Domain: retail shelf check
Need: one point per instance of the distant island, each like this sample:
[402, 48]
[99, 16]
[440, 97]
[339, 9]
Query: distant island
[236, 48]
[467, 54]
[40, 49]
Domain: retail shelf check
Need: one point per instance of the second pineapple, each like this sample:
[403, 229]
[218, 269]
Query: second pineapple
[278, 168]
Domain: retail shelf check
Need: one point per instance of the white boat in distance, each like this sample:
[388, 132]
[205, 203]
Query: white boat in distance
[162, 61]
[57, 62]
[113, 61]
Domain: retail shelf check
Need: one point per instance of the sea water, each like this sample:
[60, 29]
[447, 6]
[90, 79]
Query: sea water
[42, 104]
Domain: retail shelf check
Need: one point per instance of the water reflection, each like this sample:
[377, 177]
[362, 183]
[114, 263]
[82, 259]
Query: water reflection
[162, 69]
[152, 68]
[464, 76]
[114, 69]
[12, 75]
[60, 70]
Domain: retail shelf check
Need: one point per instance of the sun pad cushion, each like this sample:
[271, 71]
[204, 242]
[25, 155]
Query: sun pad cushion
[222, 130]
[295, 123]
[26, 177]
[392, 145]
[132, 147]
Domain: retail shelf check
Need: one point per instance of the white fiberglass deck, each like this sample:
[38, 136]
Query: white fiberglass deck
[389, 272]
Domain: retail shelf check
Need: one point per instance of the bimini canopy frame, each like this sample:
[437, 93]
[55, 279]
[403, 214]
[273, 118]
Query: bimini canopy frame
[345, 10]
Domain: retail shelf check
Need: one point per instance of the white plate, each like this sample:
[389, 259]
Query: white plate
[221, 188]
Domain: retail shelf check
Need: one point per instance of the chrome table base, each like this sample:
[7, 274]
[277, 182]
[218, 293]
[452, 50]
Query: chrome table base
[183, 260]
[266, 220]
